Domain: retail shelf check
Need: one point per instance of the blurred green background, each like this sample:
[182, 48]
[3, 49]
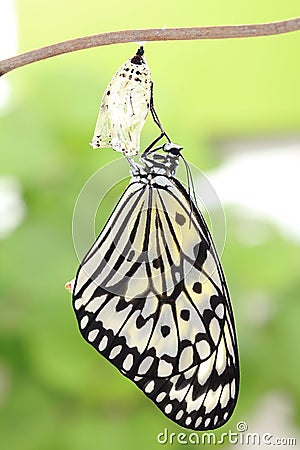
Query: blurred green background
[56, 392]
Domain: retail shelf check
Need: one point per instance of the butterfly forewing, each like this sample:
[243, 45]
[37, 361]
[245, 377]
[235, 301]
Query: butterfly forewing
[151, 297]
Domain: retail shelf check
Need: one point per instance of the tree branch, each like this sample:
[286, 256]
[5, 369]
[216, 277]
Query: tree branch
[155, 34]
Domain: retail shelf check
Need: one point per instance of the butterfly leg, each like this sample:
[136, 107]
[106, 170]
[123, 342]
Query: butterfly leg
[156, 120]
[155, 116]
[150, 148]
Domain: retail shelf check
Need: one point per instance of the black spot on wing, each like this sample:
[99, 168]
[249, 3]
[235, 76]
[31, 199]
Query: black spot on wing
[197, 287]
[165, 330]
[180, 219]
[185, 314]
[200, 252]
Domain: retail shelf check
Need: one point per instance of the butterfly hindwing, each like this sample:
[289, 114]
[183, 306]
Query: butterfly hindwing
[151, 297]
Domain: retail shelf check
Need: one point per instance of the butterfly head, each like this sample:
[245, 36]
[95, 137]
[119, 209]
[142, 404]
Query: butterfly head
[173, 149]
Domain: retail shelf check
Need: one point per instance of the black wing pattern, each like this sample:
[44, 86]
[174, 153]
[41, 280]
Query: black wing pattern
[151, 297]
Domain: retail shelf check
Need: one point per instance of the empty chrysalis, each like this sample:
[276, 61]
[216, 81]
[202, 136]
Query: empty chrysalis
[124, 107]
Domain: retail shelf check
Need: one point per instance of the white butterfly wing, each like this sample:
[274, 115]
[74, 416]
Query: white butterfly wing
[151, 297]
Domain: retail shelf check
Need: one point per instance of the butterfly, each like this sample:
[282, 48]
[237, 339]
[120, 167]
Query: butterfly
[124, 107]
[151, 297]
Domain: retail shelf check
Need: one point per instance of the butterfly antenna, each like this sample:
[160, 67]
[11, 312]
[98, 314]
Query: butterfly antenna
[190, 183]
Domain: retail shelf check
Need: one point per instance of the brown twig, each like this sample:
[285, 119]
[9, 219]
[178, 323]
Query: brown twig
[155, 34]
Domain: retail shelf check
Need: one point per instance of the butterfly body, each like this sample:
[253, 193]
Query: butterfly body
[151, 297]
